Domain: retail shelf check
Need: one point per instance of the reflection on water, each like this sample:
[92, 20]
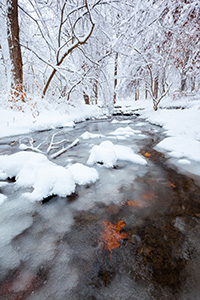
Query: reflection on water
[54, 250]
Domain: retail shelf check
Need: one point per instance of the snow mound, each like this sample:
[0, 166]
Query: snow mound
[114, 121]
[10, 165]
[180, 147]
[183, 162]
[107, 153]
[127, 131]
[82, 174]
[88, 135]
[126, 121]
[49, 180]
[34, 170]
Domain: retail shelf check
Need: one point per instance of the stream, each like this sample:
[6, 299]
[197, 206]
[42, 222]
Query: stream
[53, 249]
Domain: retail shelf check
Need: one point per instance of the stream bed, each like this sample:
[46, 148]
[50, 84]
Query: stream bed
[54, 249]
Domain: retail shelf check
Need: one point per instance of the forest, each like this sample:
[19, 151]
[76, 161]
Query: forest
[99, 51]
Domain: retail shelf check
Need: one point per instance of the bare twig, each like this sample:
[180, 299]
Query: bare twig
[58, 153]
[52, 144]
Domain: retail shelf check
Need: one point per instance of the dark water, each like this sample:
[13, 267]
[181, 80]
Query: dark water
[54, 250]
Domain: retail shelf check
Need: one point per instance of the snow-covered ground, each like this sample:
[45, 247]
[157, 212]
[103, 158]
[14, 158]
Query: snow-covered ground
[180, 119]
[43, 116]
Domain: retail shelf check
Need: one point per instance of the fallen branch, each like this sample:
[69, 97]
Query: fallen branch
[53, 144]
[27, 143]
[61, 151]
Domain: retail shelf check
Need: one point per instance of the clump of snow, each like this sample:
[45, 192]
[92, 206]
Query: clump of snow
[140, 124]
[114, 121]
[126, 132]
[126, 121]
[103, 153]
[82, 174]
[181, 147]
[117, 137]
[46, 178]
[183, 162]
[107, 153]
[88, 135]
[10, 165]
[50, 180]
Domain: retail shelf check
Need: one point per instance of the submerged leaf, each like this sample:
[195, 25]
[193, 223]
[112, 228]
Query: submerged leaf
[147, 155]
[149, 195]
[111, 236]
[171, 184]
[135, 203]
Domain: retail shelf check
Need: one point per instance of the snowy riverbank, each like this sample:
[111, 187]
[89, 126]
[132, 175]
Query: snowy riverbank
[180, 119]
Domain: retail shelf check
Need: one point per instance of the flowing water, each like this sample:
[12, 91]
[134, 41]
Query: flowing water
[54, 249]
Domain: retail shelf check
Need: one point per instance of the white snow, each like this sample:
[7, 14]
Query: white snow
[88, 135]
[3, 183]
[182, 127]
[82, 174]
[34, 170]
[181, 147]
[115, 121]
[183, 162]
[107, 153]
[46, 116]
[2, 198]
[125, 132]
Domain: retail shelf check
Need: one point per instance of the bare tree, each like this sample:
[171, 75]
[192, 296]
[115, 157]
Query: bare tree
[153, 85]
[76, 41]
[13, 42]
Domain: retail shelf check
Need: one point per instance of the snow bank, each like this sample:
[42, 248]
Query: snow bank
[34, 170]
[46, 117]
[181, 147]
[182, 127]
[107, 153]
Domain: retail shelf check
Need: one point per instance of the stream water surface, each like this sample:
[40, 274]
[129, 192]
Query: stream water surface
[53, 249]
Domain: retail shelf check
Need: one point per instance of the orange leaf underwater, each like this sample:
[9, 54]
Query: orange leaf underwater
[147, 155]
[135, 203]
[111, 236]
[171, 184]
[149, 195]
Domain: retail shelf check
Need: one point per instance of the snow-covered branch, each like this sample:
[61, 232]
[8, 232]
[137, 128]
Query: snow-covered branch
[27, 143]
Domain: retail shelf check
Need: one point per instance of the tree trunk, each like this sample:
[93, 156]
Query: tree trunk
[136, 90]
[86, 98]
[163, 81]
[13, 42]
[95, 89]
[115, 78]
[155, 93]
[146, 91]
[193, 81]
[183, 82]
